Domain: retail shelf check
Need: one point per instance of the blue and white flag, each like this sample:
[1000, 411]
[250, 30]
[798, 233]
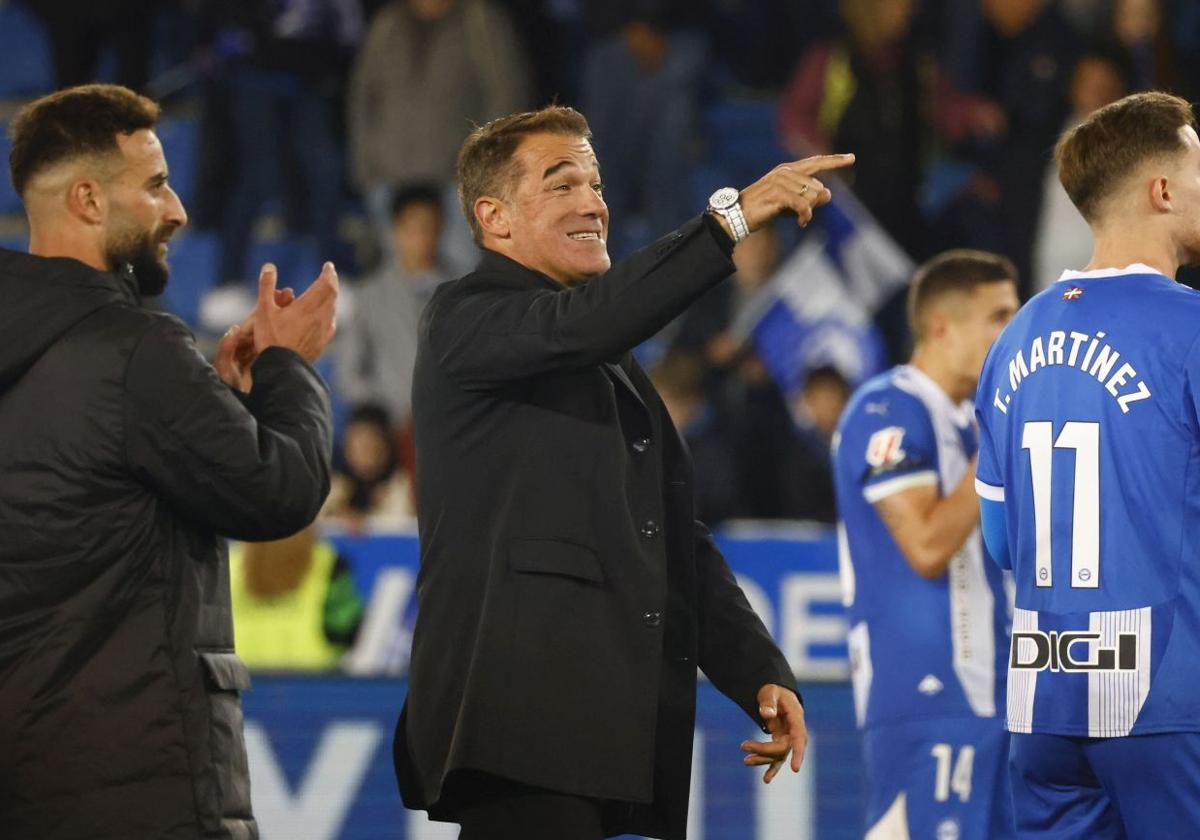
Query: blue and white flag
[817, 309]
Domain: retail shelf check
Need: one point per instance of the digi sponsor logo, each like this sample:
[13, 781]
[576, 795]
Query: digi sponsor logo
[1033, 650]
[883, 449]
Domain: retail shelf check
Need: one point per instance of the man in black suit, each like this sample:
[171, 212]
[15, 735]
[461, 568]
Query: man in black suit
[566, 594]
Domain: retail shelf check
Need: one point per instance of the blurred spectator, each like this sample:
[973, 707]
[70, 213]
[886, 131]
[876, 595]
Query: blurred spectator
[295, 605]
[281, 68]
[1138, 26]
[1090, 18]
[80, 32]
[370, 486]
[760, 39]
[865, 92]
[642, 77]
[761, 429]
[550, 33]
[1064, 239]
[679, 378]
[808, 486]
[377, 344]
[1024, 52]
[427, 72]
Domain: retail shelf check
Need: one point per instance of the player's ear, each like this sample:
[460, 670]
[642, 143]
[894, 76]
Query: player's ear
[1160, 194]
[935, 323]
[86, 200]
[492, 214]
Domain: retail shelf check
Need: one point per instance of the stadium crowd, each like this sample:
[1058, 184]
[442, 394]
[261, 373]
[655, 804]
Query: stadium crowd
[959, 144]
[337, 121]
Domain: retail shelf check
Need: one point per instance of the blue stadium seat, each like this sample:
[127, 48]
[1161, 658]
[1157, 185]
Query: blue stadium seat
[180, 137]
[193, 258]
[25, 63]
[295, 258]
[14, 244]
[9, 201]
[742, 138]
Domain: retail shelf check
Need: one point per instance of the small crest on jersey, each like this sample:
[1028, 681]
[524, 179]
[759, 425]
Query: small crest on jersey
[880, 408]
[883, 449]
[930, 686]
[1072, 293]
[948, 829]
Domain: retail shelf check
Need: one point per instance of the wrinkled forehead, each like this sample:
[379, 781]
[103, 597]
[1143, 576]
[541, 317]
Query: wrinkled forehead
[541, 155]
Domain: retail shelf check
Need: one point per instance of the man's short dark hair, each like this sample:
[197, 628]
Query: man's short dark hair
[1096, 156]
[485, 161]
[71, 123]
[411, 194]
[827, 376]
[959, 270]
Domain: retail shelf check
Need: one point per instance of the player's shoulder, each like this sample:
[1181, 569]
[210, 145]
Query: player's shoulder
[888, 399]
[1154, 294]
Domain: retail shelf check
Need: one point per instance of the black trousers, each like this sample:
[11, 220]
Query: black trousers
[516, 812]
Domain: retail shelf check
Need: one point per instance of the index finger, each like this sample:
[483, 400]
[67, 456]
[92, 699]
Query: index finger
[823, 163]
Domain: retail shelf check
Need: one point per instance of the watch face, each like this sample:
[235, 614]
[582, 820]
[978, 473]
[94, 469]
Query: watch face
[723, 198]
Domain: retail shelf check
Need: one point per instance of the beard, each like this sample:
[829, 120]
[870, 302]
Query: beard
[139, 250]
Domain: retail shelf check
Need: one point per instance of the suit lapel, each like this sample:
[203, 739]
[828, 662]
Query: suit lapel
[619, 376]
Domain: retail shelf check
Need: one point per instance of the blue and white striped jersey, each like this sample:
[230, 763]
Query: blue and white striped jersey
[919, 649]
[1089, 434]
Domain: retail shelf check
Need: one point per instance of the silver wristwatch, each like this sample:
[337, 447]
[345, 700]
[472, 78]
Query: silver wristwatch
[724, 202]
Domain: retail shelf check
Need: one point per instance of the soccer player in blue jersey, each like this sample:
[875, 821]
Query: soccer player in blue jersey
[928, 615]
[1089, 471]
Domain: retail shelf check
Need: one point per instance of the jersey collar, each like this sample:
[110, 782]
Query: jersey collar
[1135, 268]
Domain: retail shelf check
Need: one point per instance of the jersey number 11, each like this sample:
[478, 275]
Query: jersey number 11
[1038, 437]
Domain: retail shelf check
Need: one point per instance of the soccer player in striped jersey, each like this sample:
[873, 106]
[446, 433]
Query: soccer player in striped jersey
[928, 615]
[1089, 471]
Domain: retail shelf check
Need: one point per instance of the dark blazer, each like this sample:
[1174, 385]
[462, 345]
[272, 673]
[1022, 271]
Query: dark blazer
[122, 458]
[566, 593]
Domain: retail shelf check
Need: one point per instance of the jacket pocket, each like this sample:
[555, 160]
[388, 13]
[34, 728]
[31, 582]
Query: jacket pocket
[554, 557]
[226, 675]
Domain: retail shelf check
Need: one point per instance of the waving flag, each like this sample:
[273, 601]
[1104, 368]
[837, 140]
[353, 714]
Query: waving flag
[818, 308]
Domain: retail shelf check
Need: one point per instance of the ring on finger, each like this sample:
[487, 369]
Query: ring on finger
[803, 189]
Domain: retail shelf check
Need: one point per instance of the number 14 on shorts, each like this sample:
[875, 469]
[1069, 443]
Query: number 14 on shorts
[953, 772]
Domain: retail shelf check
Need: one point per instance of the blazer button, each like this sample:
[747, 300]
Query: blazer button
[652, 619]
[650, 529]
[640, 445]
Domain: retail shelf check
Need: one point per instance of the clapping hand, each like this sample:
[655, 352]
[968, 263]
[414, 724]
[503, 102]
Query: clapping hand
[307, 325]
[236, 353]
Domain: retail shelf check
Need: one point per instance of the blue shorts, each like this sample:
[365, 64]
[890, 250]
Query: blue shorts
[1141, 786]
[938, 780]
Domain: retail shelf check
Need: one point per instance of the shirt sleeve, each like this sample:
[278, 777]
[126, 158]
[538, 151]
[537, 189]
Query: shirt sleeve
[989, 479]
[995, 531]
[897, 447]
[248, 468]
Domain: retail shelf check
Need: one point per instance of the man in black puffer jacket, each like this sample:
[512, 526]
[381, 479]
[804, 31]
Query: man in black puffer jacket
[124, 459]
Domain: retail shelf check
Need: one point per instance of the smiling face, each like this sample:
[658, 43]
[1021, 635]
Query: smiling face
[144, 212]
[556, 218]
